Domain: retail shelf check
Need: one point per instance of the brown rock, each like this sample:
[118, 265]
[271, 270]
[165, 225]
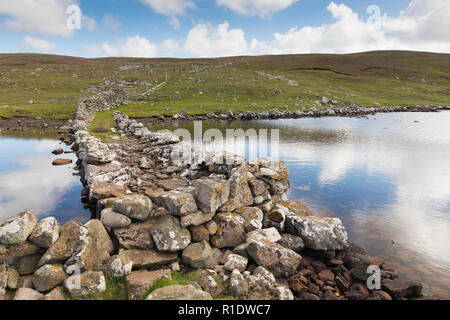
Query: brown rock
[58, 151]
[56, 294]
[20, 250]
[139, 282]
[149, 258]
[136, 236]
[27, 265]
[398, 289]
[326, 275]
[199, 233]
[27, 294]
[230, 230]
[61, 162]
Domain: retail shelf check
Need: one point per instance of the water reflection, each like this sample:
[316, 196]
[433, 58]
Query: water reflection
[387, 176]
[28, 181]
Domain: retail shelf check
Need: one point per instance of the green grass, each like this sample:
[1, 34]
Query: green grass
[116, 289]
[387, 78]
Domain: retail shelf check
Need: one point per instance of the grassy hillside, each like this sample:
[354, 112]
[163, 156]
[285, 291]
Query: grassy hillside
[54, 83]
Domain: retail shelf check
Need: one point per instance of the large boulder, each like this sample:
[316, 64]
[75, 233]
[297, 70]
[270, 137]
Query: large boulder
[198, 255]
[48, 277]
[169, 236]
[319, 233]
[87, 283]
[139, 282]
[148, 258]
[183, 293]
[136, 207]
[45, 233]
[176, 202]
[136, 236]
[240, 193]
[230, 230]
[211, 194]
[17, 230]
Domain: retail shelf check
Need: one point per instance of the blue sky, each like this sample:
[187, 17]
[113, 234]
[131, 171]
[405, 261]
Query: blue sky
[208, 28]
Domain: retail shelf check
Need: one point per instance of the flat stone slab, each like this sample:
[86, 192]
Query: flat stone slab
[149, 258]
[139, 282]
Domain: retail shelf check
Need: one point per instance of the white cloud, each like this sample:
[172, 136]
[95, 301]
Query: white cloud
[422, 27]
[256, 7]
[205, 40]
[132, 47]
[111, 21]
[170, 8]
[39, 44]
[47, 17]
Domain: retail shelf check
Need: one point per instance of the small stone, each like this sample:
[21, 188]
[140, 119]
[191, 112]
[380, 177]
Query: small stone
[27, 265]
[61, 162]
[48, 277]
[45, 233]
[118, 266]
[13, 278]
[27, 294]
[88, 283]
[114, 220]
[17, 230]
[292, 242]
[236, 262]
[134, 206]
[139, 282]
[56, 294]
[210, 285]
[183, 293]
[238, 287]
[198, 255]
[149, 258]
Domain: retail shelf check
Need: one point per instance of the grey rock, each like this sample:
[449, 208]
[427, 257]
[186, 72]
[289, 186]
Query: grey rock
[17, 230]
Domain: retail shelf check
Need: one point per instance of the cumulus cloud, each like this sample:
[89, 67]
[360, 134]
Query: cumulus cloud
[39, 44]
[137, 46]
[170, 8]
[206, 40]
[256, 7]
[111, 21]
[422, 26]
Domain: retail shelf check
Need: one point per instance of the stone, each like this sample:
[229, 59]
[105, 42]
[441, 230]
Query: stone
[169, 236]
[139, 282]
[358, 291]
[176, 202]
[61, 162]
[237, 287]
[22, 249]
[25, 282]
[251, 213]
[319, 233]
[275, 258]
[230, 230]
[58, 151]
[118, 266]
[114, 220]
[27, 265]
[284, 294]
[379, 295]
[196, 219]
[66, 245]
[149, 258]
[264, 235]
[13, 278]
[45, 233]
[360, 274]
[240, 193]
[27, 294]
[297, 208]
[236, 262]
[100, 236]
[398, 289]
[17, 230]
[199, 233]
[56, 294]
[87, 283]
[106, 190]
[211, 226]
[209, 284]
[48, 277]
[292, 242]
[173, 184]
[211, 194]
[3, 280]
[326, 275]
[136, 236]
[198, 255]
[134, 206]
[183, 293]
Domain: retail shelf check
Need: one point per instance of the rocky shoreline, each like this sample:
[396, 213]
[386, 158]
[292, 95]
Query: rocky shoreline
[161, 206]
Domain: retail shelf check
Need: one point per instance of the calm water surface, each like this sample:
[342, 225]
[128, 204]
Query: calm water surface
[386, 176]
[28, 181]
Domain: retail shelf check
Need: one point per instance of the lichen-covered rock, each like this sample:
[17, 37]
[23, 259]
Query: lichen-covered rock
[196, 219]
[184, 293]
[134, 206]
[275, 258]
[266, 235]
[230, 230]
[48, 277]
[209, 284]
[136, 236]
[66, 245]
[13, 278]
[3, 279]
[236, 262]
[169, 236]
[17, 230]
[319, 233]
[273, 172]
[45, 233]
[20, 250]
[237, 287]
[198, 255]
[292, 242]
[240, 193]
[176, 202]
[139, 282]
[211, 194]
[28, 264]
[118, 266]
[87, 283]
[56, 294]
[149, 258]
[114, 220]
[27, 294]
